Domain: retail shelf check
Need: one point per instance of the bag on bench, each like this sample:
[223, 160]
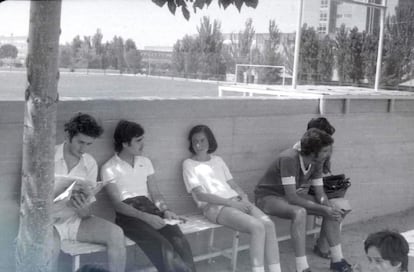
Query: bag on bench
[335, 186]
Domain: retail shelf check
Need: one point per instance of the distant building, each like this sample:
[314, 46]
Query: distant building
[155, 54]
[20, 42]
[156, 59]
[326, 16]
[158, 48]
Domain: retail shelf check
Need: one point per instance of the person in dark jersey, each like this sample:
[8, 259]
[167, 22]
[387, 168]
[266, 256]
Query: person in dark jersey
[276, 194]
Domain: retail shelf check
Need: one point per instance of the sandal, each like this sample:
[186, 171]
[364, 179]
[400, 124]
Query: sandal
[318, 252]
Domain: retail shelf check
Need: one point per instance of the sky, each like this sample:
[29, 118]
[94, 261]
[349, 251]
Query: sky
[143, 21]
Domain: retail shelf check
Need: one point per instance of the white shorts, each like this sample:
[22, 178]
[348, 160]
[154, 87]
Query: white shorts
[68, 228]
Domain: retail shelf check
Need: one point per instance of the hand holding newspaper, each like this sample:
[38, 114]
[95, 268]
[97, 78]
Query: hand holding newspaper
[80, 185]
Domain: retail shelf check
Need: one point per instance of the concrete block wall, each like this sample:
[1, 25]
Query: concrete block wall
[372, 146]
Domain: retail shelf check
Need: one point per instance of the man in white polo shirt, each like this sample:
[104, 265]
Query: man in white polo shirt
[140, 208]
[75, 186]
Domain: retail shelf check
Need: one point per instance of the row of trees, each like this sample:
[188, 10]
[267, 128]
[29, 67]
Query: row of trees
[349, 54]
[90, 52]
[354, 54]
[205, 55]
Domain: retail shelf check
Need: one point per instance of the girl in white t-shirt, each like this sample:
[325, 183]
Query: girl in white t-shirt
[209, 180]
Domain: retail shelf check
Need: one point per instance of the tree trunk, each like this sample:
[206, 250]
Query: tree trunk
[34, 240]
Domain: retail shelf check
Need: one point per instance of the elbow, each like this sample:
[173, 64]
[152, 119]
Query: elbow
[200, 197]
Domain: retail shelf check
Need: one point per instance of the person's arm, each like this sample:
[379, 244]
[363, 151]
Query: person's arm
[159, 200]
[239, 190]
[203, 196]
[82, 193]
[193, 185]
[289, 166]
[123, 208]
[293, 198]
[82, 207]
[155, 193]
[320, 209]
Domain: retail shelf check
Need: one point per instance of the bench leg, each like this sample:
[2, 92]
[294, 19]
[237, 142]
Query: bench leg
[235, 252]
[75, 263]
[210, 244]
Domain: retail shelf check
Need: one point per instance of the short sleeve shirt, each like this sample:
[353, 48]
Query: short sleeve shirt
[66, 219]
[211, 176]
[286, 170]
[131, 181]
[87, 168]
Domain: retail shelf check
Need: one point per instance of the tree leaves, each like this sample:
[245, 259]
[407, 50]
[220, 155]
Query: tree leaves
[225, 3]
[251, 3]
[185, 12]
[160, 2]
[172, 6]
[239, 4]
[200, 4]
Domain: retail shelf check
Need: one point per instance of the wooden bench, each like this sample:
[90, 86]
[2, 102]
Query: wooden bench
[196, 223]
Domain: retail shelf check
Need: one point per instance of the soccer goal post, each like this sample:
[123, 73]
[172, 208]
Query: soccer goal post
[260, 74]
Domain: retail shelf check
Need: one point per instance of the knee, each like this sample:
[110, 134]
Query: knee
[299, 215]
[180, 242]
[257, 227]
[116, 237]
[268, 224]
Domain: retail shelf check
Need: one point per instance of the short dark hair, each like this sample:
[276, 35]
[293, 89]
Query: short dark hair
[85, 124]
[212, 143]
[124, 132]
[323, 124]
[391, 245]
[314, 140]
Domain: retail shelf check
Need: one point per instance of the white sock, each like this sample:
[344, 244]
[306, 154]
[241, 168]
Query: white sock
[301, 263]
[275, 268]
[258, 269]
[336, 253]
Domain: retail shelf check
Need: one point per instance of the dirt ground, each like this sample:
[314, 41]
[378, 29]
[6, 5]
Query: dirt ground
[352, 237]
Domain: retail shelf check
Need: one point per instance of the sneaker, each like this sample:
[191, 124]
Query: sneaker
[342, 266]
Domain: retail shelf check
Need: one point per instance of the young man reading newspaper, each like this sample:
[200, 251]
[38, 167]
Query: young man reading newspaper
[75, 187]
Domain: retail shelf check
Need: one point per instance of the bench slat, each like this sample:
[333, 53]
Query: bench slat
[75, 248]
[195, 223]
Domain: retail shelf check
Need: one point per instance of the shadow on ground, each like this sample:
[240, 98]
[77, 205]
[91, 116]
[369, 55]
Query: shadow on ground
[353, 237]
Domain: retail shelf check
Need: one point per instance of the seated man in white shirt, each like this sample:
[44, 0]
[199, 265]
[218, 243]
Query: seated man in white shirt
[72, 215]
[140, 208]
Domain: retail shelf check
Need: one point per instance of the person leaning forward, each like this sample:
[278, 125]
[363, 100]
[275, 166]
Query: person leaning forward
[276, 194]
[75, 185]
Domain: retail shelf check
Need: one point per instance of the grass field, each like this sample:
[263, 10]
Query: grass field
[12, 86]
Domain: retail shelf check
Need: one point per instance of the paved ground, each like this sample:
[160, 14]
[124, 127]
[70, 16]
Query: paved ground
[353, 236]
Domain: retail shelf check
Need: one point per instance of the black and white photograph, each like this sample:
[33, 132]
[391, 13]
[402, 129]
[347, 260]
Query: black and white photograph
[207, 135]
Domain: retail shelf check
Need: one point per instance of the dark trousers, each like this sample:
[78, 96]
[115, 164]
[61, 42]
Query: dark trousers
[167, 248]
